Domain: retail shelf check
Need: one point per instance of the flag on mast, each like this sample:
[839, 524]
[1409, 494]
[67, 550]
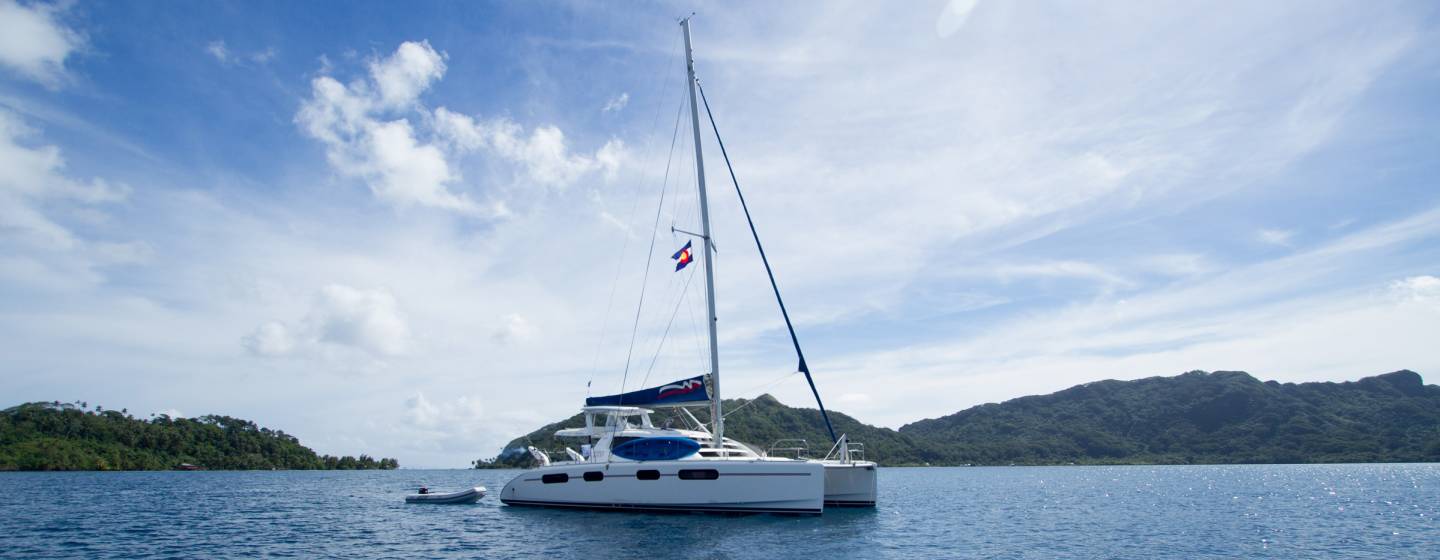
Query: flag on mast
[683, 256]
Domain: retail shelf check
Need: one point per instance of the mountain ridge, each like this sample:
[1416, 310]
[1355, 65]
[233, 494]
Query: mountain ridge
[1193, 417]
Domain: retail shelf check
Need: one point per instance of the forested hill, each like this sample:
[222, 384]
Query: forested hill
[1197, 417]
[63, 436]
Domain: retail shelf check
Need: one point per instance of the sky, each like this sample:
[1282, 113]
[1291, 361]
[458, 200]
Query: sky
[420, 230]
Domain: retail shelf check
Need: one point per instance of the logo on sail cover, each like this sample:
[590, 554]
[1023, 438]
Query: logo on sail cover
[681, 388]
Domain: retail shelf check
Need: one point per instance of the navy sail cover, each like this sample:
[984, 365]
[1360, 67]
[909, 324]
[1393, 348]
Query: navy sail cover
[678, 393]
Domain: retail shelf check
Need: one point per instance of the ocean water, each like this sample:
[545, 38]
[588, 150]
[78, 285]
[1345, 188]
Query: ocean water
[1263, 511]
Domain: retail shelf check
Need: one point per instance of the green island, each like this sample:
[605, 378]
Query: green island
[55, 436]
[1194, 418]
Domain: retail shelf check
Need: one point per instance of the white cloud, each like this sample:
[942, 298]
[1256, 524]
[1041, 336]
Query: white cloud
[1177, 264]
[34, 43]
[264, 56]
[1419, 289]
[953, 17]
[217, 49]
[398, 167]
[514, 329]
[608, 218]
[1058, 269]
[1278, 237]
[542, 154]
[462, 413]
[448, 428]
[463, 132]
[122, 252]
[1263, 318]
[343, 316]
[366, 134]
[611, 157]
[223, 54]
[335, 114]
[420, 412]
[405, 171]
[1033, 121]
[403, 76]
[32, 178]
[616, 103]
[366, 319]
[271, 339]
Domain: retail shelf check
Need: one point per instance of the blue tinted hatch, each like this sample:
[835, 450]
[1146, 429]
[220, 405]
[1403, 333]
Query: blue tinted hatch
[657, 449]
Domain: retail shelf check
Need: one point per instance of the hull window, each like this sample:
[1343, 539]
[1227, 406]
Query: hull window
[699, 474]
[647, 475]
[594, 476]
[556, 478]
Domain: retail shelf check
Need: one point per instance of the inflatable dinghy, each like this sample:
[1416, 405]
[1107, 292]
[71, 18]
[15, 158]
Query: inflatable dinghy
[469, 496]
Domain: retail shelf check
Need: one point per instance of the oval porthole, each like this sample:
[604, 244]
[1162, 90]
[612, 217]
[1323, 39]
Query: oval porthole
[555, 478]
[594, 476]
[699, 474]
[647, 475]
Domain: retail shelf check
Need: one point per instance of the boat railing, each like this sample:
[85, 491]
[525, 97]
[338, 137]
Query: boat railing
[846, 451]
[563, 455]
[795, 448]
[567, 455]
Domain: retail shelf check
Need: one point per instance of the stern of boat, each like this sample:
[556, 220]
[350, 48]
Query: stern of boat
[850, 480]
[850, 483]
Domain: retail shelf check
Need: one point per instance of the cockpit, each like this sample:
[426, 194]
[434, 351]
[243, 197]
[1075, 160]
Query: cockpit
[627, 433]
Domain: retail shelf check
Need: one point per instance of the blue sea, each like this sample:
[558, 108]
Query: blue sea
[1256, 511]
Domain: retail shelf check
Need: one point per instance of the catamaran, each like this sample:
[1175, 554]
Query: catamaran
[632, 464]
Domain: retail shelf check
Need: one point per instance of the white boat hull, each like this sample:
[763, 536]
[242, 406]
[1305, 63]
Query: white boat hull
[756, 486]
[850, 484]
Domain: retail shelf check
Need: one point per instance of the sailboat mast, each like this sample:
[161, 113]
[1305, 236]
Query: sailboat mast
[717, 419]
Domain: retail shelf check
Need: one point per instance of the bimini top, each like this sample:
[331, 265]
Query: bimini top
[684, 392]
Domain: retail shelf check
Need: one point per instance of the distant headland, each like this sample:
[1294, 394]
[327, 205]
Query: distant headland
[56, 436]
[1192, 418]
